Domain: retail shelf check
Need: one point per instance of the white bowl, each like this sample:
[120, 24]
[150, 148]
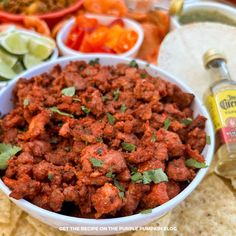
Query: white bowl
[56, 220]
[222, 8]
[129, 24]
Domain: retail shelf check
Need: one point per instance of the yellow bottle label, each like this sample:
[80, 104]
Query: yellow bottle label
[222, 107]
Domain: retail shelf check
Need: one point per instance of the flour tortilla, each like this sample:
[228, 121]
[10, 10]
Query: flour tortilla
[182, 50]
[209, 210]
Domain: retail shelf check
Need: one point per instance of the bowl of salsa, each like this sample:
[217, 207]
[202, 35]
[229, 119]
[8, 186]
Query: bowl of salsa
[205, 12]
[89, 34]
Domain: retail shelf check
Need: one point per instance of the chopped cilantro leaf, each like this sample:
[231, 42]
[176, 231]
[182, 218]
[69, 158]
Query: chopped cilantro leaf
[26, 102]
[104, 98]
[111, 118]
[143, 76]
[153, 138]
[85, 109]
[118, 185]
[70, 91]
[133, 63]
[6, 152]
[56, 110]
[50, 176]
[196, 164]
[116, 94]
[128, 146]
[137, 177]
[96, 162]
[121, 195]
[187, 121]
[123, 108]
[167, 124]
[110, 174]
[94, 62]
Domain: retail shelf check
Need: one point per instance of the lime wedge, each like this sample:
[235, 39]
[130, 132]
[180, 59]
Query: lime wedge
[18, 67]
[15, 43]
[31, 61]
[9, 59]
[5, 71]
[41, 49]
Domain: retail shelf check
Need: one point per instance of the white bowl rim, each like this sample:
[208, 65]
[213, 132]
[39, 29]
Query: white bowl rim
[136, 217]
[136, 27]
[205, 5]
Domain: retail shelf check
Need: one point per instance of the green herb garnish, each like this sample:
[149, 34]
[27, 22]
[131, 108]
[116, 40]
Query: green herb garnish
[143, 76]
[56, 110]
[208, 140]
[70, 91]
[133, 63]
[110, 174]
[128, 146]
[167, 124]
[50, 176]
[6, 152]
[122, 195]
[137, 177]
[196, 164]
[99, 140]
[118, 185]
[156, 175]
[104, 98]
[116, 94]
[111, 118]
[187, 121]
[26, 102]
[94, 62]
[96, 162]
[123, 108]
[153, 138]
[85, 109]
[147, 211]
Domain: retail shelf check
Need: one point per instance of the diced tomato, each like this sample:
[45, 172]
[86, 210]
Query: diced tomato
[87, 24]
[104, 49]
[126, 41]
[118, 21]
[75, 38]
[98, 37]
[85, 46]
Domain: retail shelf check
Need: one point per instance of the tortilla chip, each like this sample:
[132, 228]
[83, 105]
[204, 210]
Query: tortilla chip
[6, 229]
[42, 228]
[5, 208]
[210, 210]
[38, 234]
[23, 228]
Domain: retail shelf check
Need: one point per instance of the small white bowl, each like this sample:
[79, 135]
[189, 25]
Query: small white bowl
[129, 24]
[222, 8]
[100, 226]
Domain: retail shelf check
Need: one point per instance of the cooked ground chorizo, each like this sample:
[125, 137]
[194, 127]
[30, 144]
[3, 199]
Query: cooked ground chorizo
[108, 140]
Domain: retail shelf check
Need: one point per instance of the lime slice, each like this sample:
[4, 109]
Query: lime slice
[5, 71]
[41, 49]
[31, 61]
[15, 43]
[18, 67]
[9, 59]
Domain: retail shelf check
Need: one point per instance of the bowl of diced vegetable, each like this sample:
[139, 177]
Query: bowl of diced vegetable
[89, 34]
[21, 50]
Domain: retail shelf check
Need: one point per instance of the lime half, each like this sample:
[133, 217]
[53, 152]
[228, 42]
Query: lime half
[9, 59]
[5, 71]
[41, 49]
[31, 61]
[15, 43]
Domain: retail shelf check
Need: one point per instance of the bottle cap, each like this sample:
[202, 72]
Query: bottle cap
[211, 55]
[176, 7]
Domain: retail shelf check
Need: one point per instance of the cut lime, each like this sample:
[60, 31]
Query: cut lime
[9, 59]
[31, 61]
[18, 68]
[40, 48]
[15, 43]
[5, 71]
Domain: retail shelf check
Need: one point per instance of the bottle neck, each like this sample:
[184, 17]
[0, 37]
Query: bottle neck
[218, 70]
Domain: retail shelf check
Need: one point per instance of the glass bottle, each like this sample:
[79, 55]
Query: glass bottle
[220, 100]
